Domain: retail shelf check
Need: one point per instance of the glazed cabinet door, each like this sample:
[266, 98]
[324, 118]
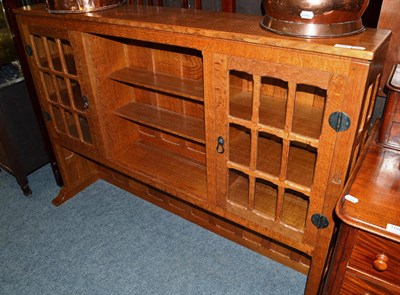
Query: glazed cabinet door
[65, 95]
[271, 168]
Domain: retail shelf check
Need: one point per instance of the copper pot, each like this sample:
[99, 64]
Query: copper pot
[314, 18]
[80, 6]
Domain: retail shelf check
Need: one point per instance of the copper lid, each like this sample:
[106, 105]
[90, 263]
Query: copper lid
[80, 6]
[314, 18]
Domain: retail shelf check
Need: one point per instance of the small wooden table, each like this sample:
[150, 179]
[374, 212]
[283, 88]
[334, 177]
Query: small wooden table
[366, 257]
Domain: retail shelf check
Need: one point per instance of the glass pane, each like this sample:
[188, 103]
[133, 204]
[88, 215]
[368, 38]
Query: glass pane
[68, 56]
[87, 136]
[58, 119]
[71, 124]
[273, 101]
[55, 56]
[240, 95]
[49, 87]
[40, 51]
[301, 164]
[266, 194]
[309, 110]
[63, 91]
[77, 94]
[294, 212]
[239, 144]
[269, 154]
[238, 188]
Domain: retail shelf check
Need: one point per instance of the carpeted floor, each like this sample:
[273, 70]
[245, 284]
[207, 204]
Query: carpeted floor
[107, 241]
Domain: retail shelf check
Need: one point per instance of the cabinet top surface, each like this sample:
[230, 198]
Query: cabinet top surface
[377, 189]
[228, 26]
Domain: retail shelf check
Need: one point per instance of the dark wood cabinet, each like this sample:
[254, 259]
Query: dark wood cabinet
[21, 145]
[25, 94]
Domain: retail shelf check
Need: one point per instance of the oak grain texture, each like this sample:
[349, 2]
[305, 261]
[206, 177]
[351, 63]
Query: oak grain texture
[376, 186]
[191, 128]
[162, 82]
[172, 81]
[238, 27]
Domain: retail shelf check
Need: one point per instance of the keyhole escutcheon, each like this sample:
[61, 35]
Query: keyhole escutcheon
[220, 146]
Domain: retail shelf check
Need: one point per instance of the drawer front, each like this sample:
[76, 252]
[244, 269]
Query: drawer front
[353, 284]
[371, 253]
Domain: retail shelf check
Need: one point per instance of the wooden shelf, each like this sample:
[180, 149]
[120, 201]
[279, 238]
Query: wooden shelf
[180, 86]
[165, 120]
[165, 169]
[307, 120]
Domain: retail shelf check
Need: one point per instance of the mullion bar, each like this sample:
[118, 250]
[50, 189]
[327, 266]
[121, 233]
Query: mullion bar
[254, 139]
[290, 107]
[56, 89]
[271, 178]
[61, 56]
[287, 129]
[252, 168]
[48, 54]
[66, 75]
[255, 118]
[285, 148]
[69, 88]
[251, 198]
[279, 204]
[70, 94]
[78, 126]
[35, 50]
[65, 71]
[53, 75]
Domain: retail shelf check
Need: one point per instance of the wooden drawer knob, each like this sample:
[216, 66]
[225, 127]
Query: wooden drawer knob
[380, 262]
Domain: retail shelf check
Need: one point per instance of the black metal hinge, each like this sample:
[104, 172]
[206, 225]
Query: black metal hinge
[339, 121]
[85, 102]
[319, 220]
[46, 116]
[28, 50]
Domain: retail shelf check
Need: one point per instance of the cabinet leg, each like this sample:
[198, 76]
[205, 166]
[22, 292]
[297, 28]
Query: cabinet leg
[26, 190]
[67, 193]
[63, 196]
[23, 183]
[56, 173]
